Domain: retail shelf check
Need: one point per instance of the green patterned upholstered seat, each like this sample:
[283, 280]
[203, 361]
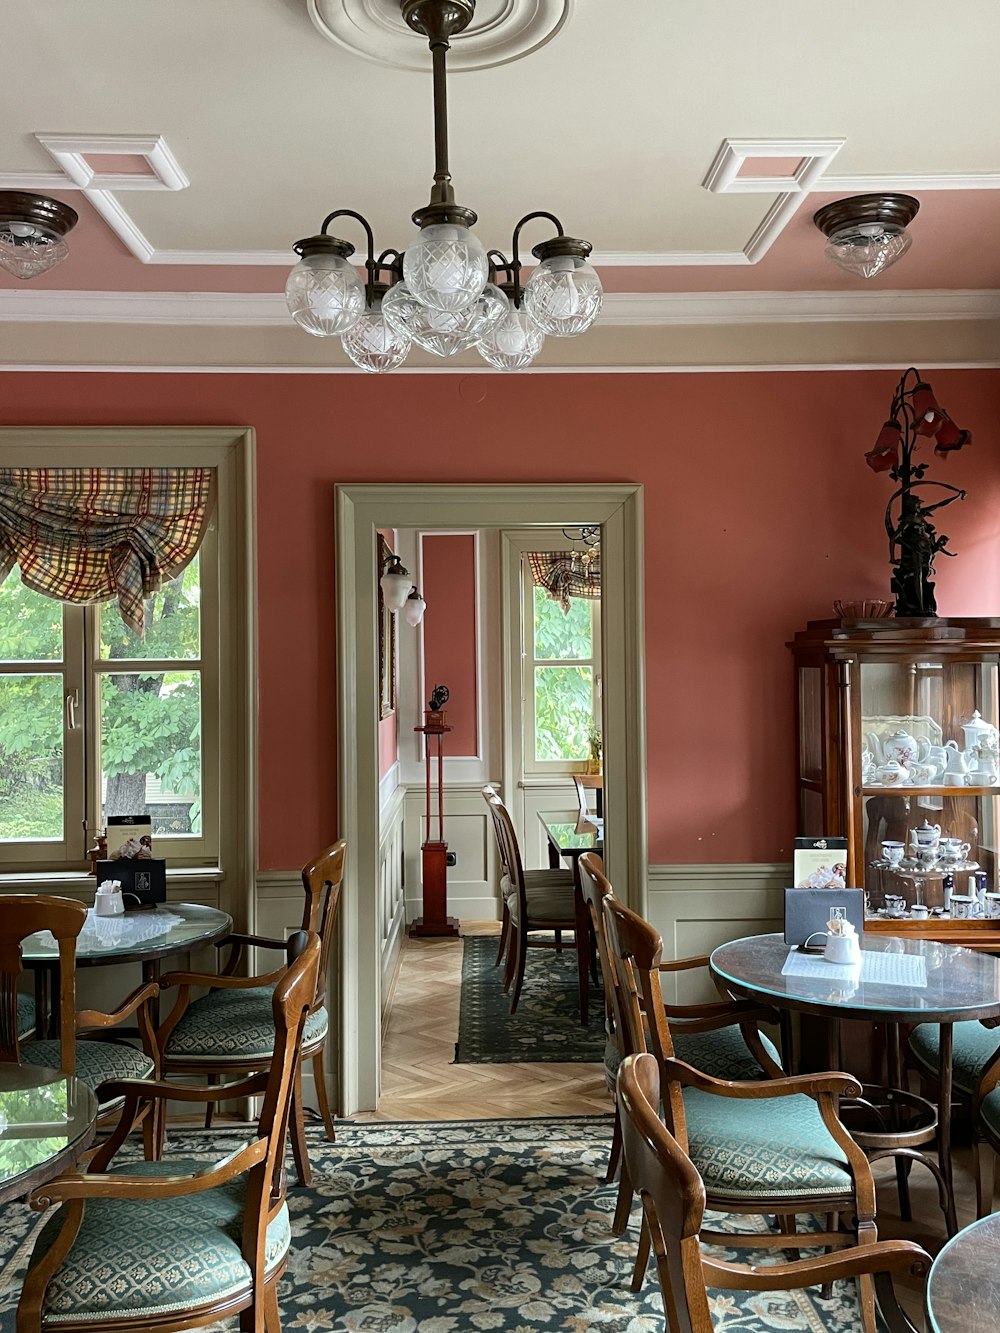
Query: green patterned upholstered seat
[764, 1147]
[720, 1054]
[974, 1047]
[96, 1061]
[234, 1025]
[25, 1015]
[147, 1258]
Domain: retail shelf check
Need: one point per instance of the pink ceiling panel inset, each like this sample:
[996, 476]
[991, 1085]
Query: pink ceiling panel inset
[119, 164]
[781, 167]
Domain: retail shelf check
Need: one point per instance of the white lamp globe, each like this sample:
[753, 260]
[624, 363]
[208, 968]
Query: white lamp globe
[444, 332]
[324, 292]
[414, 608]
[373, 344]
[446, 267]
[395, 584]
[513, 343]
[563, 296]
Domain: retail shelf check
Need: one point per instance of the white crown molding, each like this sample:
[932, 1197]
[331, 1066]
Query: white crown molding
[500, 31]
[980, 180]
[813, 156]
[680, 368]
[266, 309]
[70, 152]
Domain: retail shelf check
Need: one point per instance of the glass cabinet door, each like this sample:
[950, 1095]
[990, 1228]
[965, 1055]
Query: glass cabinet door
[928, 779]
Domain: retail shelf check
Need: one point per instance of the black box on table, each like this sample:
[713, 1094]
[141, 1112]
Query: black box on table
[143, 880]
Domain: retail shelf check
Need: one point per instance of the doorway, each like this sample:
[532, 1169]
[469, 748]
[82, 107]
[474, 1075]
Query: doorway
[361, 509]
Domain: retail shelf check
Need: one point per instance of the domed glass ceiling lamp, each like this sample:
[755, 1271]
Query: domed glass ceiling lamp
[33, 232]
[867, 233]
[441, 291]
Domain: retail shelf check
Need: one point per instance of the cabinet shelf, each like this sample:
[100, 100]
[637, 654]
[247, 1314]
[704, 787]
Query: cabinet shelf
[930, 791]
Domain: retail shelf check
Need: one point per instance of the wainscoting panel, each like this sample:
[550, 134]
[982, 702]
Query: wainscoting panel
[696, 907]
[391, 887]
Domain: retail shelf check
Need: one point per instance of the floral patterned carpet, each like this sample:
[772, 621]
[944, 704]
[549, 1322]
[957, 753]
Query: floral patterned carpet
[546, 1026]
[452, 1227]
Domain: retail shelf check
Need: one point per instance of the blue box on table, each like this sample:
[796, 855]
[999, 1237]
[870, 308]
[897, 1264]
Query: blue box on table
[143, 880]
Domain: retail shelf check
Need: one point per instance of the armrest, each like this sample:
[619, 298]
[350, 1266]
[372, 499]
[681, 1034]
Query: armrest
[727, 1013]
[255, 941]
[882, 1256]
[684, 964]
[96, 1185]
[218, 980]
[837, 1085]
[93, 1018]
[141, 1089]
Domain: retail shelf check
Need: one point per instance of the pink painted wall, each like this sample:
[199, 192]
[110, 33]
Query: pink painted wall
[759, 511]
[388, 727]
[448, 569]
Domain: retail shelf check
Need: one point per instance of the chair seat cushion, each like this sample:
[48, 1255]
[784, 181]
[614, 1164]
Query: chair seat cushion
[989, 1113]
[721, 1054]
[974, 1047]
[765, 1147]
[235, 1025]
[96, 1061]
[25, 1015]
[550, 896]
[144, 1258]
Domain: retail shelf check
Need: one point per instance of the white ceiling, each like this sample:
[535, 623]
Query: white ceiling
[614, 122]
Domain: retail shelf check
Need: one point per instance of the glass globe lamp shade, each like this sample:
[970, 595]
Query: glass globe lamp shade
[414, 608]
[563, 296]
[446, 267]
[396, 585]
[373, 344]
[445, 333]
[325, 294]
[27, 251]
[867, 249]
[514, 343]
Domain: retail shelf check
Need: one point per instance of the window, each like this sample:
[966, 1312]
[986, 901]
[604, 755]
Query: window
[562, 680]
[97, 721]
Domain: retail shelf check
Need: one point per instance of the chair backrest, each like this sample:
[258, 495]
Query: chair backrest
[671, 1192]
[323, 880]
[636, 951]
[595, 888]
[22, 915]
[509, 852]
[586, 783]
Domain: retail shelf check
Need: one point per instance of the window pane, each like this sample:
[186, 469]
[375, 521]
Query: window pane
[173, 623]
[560, 635]
[30, 624]
[31, 756]
[564, 704]
[151, 748]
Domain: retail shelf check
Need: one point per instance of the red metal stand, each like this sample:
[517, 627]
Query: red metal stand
[434, 851]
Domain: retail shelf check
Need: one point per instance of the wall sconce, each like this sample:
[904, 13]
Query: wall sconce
[399, 592]
[414, 608]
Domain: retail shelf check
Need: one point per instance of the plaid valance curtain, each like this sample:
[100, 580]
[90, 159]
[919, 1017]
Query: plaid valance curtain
[87, 534]
[564, 574]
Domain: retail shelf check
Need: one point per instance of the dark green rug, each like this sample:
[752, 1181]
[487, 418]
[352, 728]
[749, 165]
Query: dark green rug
[464, 1226]
[547, 1024]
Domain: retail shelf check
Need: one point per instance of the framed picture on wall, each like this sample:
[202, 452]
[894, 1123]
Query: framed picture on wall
[386, 639]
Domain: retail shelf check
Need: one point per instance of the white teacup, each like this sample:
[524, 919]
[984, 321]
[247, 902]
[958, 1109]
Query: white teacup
[893, 852]
[991, 906]
[924, 856]
[920, 910]
[894, 905]
[108, 900]
[964, 906]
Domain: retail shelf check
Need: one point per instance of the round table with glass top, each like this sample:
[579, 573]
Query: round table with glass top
[963, 1290]
[46, 1122]
[146, 936]
[898, 981]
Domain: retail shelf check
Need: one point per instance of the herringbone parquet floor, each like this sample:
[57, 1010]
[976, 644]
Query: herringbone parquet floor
[419, 1080]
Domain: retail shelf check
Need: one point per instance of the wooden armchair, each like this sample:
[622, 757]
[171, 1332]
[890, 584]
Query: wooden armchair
[534, 901]
[673, 1202]
[773, 1146]
[737, 1050]
[230, 1030]
[83, 1046]
[585, 784]
[178, 1244]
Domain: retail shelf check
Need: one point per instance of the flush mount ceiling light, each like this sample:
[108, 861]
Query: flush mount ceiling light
[867, 232]
[445, 292]
[32, 232]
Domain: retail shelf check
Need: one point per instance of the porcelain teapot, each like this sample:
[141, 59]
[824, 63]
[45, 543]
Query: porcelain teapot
[902, 747]
[980, 734]
[892, 774]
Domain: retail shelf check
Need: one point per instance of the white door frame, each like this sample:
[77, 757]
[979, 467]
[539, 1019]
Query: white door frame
[360, 509]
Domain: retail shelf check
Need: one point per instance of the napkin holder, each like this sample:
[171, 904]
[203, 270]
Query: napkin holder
[842, 944]
[143, 880]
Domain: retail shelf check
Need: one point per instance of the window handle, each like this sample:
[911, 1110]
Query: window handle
[72, 701]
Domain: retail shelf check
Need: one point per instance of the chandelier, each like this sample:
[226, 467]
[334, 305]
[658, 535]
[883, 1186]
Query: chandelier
[589, 536]
[445, 292]
[32, 232]
[867, 233]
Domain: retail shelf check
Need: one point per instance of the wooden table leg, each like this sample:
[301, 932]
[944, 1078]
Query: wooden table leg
[582, 933]
[945, 1052]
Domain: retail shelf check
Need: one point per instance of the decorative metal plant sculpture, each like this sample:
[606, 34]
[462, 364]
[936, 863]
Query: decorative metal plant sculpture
[913, 543]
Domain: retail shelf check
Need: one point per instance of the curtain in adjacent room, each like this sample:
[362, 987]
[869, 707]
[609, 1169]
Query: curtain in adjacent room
[91, 534]
[566, 574]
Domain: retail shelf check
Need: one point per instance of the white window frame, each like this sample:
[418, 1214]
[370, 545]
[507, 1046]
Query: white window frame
[227, 845]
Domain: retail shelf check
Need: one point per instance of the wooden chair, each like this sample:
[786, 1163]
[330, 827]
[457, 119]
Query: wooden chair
[723, 1051]
[586, 783]
[178, 1244]
[229, 1030]
[94, 1059]
[534, 900]
[673, 1202]
[986, 1124]
[773, 1146]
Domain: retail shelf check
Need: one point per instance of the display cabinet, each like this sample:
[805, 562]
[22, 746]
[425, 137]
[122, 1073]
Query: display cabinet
[897, 739]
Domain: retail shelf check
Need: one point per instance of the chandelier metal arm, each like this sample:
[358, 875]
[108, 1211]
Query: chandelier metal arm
[512, 267]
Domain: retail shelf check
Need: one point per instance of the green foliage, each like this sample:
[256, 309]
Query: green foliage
[562, 634]
[32, 814]
[564, 701]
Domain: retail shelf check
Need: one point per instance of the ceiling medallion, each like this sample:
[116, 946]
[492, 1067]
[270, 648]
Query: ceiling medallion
[501, 31]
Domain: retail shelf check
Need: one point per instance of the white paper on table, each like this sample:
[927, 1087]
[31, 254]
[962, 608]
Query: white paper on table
[882, 969]
[116, 932]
